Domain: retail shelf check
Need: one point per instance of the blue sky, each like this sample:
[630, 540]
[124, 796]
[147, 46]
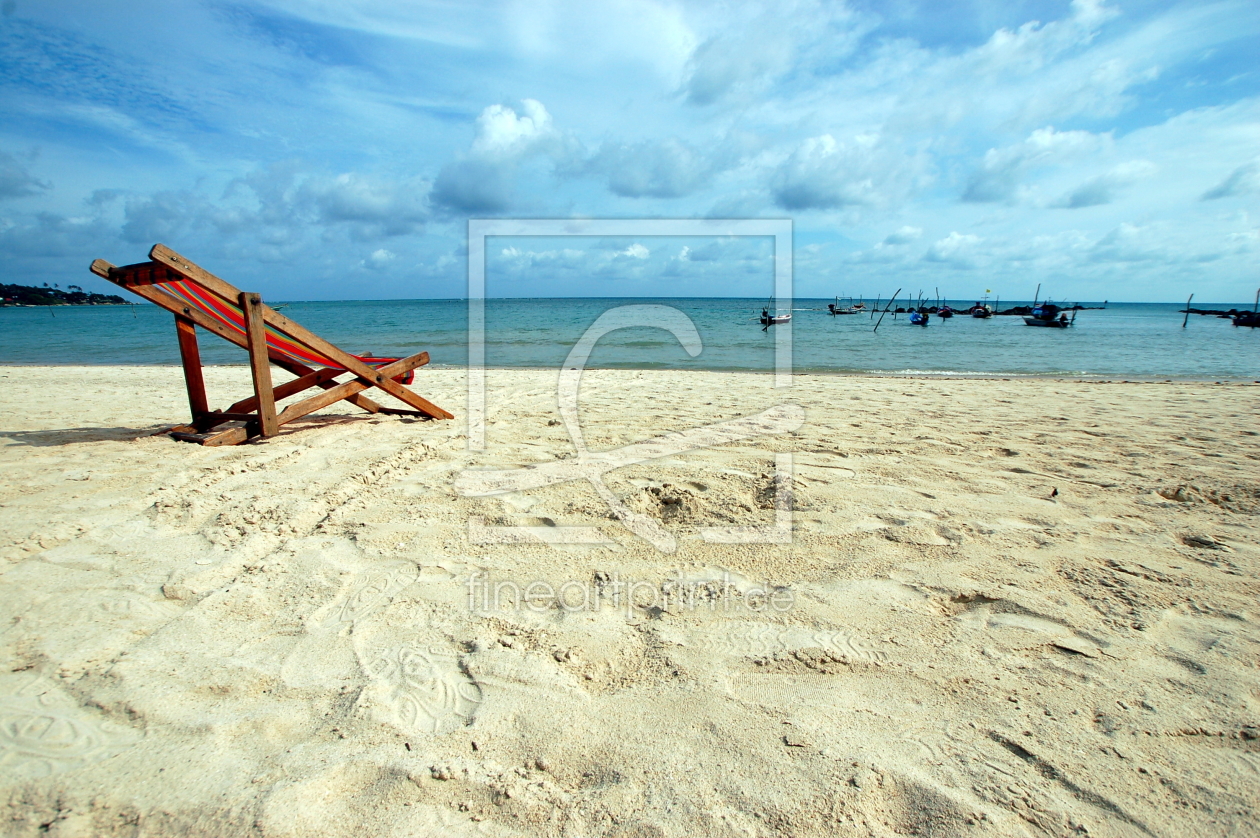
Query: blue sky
[324, 149]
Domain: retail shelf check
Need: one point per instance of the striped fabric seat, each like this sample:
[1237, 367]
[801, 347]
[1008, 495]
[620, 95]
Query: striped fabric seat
[230, 315]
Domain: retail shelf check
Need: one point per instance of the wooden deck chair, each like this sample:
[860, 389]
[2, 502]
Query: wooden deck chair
[199, 298]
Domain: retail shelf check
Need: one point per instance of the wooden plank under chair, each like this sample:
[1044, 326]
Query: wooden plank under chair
[199, 298]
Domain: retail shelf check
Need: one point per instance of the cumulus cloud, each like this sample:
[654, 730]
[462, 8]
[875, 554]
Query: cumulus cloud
[905, 235]
[667, 169]
[483, 181]
[724, 63]
[278, 204]
[1102, 189]
[379, 260]
[475, 186]
[390, 208]
[958, 250]
[16, 181]
[1001, 175]
[1129, 243]
[635, 251]
[824, 173]
[1036, 73]
[1243, 180]
[50, 234]
[751, 50]
[569, 259]
[162, 216]
[1030, 46]
[501, 132]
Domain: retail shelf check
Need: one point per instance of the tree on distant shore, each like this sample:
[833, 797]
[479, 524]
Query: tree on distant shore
[26, 295]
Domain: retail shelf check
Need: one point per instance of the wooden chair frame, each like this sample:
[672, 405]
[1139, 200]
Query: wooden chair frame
[257, 415]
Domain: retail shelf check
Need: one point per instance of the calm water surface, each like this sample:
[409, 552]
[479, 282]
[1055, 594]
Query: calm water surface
[1127, 340]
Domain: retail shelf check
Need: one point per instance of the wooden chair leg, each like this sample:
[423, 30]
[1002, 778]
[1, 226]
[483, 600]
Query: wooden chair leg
[259, 362]
[190, 357]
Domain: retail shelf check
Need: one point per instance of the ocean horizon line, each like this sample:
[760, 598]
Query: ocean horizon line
[758, 300]
[1124, 340]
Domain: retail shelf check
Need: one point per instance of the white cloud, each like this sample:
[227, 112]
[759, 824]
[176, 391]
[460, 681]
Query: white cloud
[49, 235]
[379, 260]
[561, 258]
[667, 169]
[1242, 181]
[750, 49]
[475, 186]
[725, 64]
[1102, 189]
[958, 250]
[502, 133]
[824, 173]
[16, 181]
[905, 235]
[484, 180]
[635, 251]
[1000, 177]
[390, 208]
[1129, 243]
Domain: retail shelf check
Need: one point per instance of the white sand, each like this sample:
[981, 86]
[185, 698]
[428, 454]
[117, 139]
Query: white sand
[276, 639]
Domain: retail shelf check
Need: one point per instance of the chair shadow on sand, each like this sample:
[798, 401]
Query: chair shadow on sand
[76, 436]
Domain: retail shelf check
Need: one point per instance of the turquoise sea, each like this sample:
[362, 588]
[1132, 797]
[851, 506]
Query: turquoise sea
[1126, 340]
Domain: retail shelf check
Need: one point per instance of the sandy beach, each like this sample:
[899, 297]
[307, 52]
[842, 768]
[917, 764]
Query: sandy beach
[994, 607]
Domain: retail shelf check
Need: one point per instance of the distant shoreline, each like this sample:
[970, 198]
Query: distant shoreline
[31, 296]
[915, 375]
[61, 305]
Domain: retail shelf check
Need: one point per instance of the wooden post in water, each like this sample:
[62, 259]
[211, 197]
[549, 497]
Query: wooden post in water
[1187, 318]
[881, 316]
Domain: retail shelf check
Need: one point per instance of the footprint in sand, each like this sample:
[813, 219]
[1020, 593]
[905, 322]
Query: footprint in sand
[1190, 639]
[421, 688]
[43, 733]
[936, 744]
[995, 614]
[367, 594]
[735, 638]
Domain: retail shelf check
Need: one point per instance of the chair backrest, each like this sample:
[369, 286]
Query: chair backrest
[175, 289]
[229, 313]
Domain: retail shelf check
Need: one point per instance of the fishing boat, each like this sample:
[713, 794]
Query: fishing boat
[1050, 315]
[777, 318]
[919, 318]
[771, 316]
[845, 306]
[945, 312]
[981, 310]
